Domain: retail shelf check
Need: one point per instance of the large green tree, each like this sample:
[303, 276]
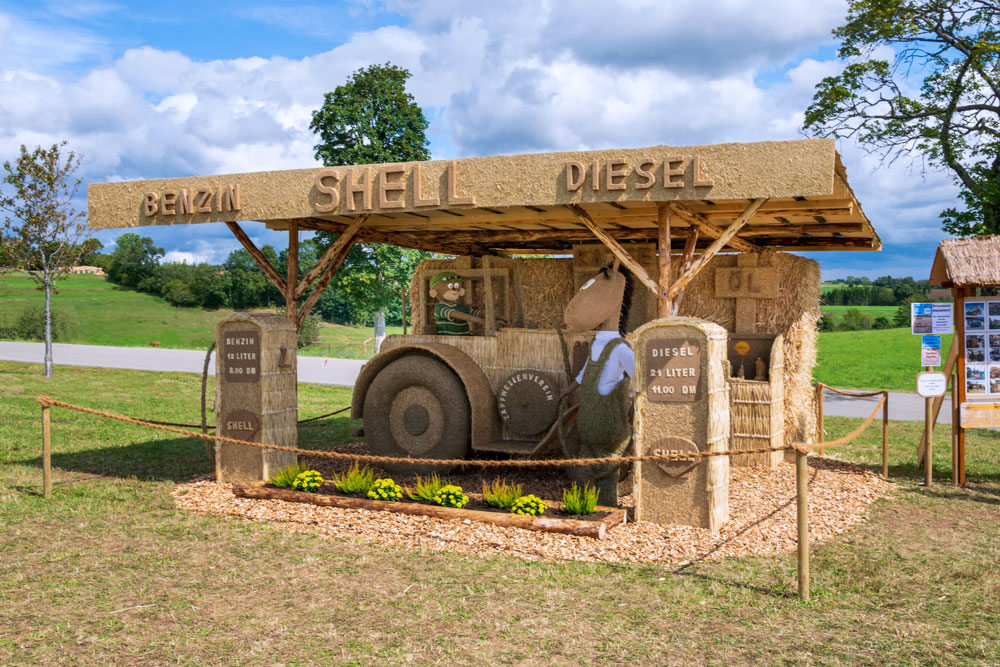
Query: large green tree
[134, 261]
[921, 81]
[43, 229]
[372, 119]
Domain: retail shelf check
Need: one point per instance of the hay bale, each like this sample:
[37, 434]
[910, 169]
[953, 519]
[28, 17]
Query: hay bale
[543, 287]
[794, 315]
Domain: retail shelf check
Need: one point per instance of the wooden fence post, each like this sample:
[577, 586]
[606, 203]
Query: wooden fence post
[955, 416]
[885, 435]
[819, 415]
[929, 435]
[802, 498]
[46, 453]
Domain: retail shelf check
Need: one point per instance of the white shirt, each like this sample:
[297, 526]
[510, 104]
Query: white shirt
[621, 362]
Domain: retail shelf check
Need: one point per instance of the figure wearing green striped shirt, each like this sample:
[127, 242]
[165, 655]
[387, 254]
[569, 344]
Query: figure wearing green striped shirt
[451, 317]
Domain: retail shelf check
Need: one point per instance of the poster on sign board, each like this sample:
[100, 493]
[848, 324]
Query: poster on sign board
[981, 316]
[932, 318]
[930, 350]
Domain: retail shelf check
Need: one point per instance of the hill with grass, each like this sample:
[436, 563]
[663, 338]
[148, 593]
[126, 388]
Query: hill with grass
[99, 312]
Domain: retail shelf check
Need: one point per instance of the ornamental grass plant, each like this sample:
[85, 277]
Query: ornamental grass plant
[285, 477]
[355, 480]
[580, 500]
[501, 494]
[426, 489]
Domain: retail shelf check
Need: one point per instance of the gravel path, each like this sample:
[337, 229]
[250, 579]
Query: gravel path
[762, 510]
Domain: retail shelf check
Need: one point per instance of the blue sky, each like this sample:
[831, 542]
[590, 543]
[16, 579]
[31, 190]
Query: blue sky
[153, 89]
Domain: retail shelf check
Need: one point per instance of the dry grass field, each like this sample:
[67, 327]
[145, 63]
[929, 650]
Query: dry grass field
[110, 571]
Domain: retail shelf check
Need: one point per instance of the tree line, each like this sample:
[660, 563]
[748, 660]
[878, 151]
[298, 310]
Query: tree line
[371, 278]
[884, 291]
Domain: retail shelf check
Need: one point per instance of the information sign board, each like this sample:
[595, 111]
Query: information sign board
[932, 318]
[674, 368]
[980, 415]
[930, 350]
[932, 384]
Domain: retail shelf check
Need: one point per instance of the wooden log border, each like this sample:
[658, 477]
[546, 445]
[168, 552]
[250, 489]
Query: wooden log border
[596, 529]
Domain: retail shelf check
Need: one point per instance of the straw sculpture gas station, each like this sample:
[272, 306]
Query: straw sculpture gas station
[722, 319]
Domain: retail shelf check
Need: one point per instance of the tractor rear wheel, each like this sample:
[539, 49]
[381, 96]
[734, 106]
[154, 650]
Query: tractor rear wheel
[417, 407]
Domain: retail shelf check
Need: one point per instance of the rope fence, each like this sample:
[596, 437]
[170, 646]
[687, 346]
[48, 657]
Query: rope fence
[821, 390]
[801, 450]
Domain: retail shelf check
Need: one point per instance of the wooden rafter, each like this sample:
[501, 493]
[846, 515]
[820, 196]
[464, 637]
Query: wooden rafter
[344, 244]
[329, 256]
[617, 250]
[713, 249]
[689, 245]
[710, 229]
[258, 256]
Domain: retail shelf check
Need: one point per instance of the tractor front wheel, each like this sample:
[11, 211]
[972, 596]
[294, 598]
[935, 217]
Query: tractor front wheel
[416, 407]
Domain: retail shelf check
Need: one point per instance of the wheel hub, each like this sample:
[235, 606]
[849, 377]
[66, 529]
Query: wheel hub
[416, 420]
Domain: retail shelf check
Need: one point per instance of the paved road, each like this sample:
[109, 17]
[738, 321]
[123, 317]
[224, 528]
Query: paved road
[313, 370]
[904, 407]
[320, 370]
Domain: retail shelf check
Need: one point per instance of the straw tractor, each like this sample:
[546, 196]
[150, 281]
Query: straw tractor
[443, 396]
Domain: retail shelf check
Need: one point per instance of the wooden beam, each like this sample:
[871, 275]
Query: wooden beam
[291, 310]
[716, 246]
[617, 250]
[258, 256]
[665, 307]
[686, 259]
[710, 229]
[345, 242]
[330, 254]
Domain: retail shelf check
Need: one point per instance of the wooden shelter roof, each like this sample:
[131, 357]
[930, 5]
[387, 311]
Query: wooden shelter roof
[967, 262]
[530, 203]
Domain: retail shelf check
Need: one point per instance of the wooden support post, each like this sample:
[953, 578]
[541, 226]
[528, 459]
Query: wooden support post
[617, 250]
[665, 306]
[701, 223]
[929, 437]
[490, 326]
[402, 299]
[46, 453]
[820, 396]
[686, 259]
[291, 310]
[954, 429]
[885, 435]
[949, 366]
[329, 256]
[717, 245]
[959, 294]
[258, 256]
[802, 502]
[343, 245]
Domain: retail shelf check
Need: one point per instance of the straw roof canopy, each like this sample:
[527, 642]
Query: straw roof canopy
[967, 262]
[529, 203]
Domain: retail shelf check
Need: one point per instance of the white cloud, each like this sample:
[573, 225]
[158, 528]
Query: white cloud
[496, 78]
[184, 257]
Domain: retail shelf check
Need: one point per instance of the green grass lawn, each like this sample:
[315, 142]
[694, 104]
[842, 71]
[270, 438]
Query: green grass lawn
[876, 359]
[102, 313]
[837, 312]
[110, 572]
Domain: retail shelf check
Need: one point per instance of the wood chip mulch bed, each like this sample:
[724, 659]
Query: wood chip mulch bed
[762, 518]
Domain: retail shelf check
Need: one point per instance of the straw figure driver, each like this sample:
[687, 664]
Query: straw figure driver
[451, 317]
[603, 422]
